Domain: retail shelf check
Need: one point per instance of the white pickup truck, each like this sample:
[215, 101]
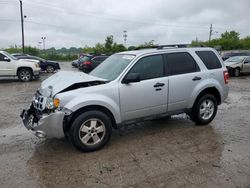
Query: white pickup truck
[24, 69]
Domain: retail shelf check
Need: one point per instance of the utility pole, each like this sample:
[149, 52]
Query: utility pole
[21, 11]
[210, 32]
[125, 37]
[39, 45]
[43, 38]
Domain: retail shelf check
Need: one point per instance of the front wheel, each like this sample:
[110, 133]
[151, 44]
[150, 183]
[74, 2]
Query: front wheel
[90, 131]
[50, 69]
[204, 109]
[25, 75]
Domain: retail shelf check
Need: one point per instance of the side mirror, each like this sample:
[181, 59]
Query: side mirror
[132, 77]
[246, 62]
[6, 59]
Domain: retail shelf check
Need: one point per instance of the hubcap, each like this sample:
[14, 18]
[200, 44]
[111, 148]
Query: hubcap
[92, 131]
[50, 69]
[206, 109]
[25, 75]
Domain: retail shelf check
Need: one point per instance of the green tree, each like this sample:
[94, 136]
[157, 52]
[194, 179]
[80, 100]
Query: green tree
[109, 43]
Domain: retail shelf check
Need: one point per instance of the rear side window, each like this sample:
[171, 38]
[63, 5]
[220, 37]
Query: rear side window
[181, 63]
[210, 60]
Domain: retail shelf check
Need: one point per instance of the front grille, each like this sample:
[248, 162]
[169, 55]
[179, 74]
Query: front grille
[39, 101]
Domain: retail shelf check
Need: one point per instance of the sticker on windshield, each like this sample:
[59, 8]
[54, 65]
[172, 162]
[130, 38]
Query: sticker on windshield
[128, 57]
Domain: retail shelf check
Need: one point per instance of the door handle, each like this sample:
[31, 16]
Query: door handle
[196, 78]
[158, 84]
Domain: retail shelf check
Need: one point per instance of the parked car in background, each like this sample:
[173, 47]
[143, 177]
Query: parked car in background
[90, 62]
[227, 55]
[46, 65]
[18, 54]
[24, 69]
[75, 63]
[237, 65]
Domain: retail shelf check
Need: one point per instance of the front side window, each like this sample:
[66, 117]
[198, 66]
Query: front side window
[2, 57]
[149, 67]
[247, 60]
[181, 63]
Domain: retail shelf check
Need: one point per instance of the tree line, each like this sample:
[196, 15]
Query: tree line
[229, 40]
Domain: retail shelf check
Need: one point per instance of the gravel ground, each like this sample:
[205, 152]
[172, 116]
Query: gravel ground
[163, 153]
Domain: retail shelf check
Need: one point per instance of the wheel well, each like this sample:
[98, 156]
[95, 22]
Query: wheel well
[211, 90]
[69, 119]
[20, 68]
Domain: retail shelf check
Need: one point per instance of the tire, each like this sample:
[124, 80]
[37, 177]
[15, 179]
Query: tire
[25, 75]
[237, 72]
[50, 69]
[208, 104]
[84, 134]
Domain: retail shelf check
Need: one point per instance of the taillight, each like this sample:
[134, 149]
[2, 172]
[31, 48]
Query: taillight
[226, 77]
[86, 62]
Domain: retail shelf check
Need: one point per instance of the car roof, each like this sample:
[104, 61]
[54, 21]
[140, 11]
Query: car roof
[155, 50]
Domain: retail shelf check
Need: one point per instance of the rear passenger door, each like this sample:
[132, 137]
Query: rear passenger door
[184, 75]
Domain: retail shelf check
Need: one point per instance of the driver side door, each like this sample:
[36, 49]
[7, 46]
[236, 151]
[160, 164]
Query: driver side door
[148, 96]
[6, 66]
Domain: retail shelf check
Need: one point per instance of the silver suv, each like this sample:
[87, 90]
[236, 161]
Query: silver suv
[127, 87]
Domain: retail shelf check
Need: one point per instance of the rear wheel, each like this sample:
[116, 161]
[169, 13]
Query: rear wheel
[237, 72]
[25, 75]
[90, 131]
[204, 109]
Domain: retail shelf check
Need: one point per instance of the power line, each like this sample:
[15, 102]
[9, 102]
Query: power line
[95, 15]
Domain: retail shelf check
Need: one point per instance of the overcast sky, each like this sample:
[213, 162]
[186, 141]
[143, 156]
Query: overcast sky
[67, 23]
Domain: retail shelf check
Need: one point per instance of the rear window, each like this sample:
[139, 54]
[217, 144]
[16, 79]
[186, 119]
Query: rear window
[210, 60]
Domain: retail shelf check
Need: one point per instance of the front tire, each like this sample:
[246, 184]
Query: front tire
[90, 131]
[25, 75]
[50, 69]
[204, 109]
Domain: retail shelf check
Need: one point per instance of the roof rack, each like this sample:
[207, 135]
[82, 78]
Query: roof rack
[160, 47]
[172, 46]
[145, 47]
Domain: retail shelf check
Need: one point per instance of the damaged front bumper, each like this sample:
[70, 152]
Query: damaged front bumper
[49, 125]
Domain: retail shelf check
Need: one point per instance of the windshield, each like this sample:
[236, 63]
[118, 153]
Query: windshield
[112, 67]
[85, 58]
[10, 56]
[237, 59]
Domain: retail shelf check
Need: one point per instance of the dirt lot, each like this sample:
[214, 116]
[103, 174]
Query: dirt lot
[165, 153]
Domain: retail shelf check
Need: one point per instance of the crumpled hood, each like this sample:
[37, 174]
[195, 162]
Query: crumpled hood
[64, 79]
[230, 63]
